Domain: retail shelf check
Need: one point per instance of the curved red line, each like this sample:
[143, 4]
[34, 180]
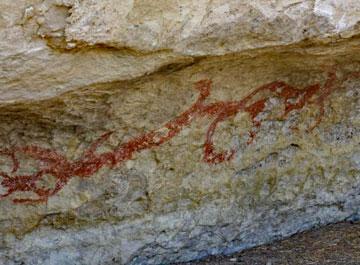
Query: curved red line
[90, 162]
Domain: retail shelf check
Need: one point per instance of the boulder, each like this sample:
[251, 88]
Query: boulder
[154, 132]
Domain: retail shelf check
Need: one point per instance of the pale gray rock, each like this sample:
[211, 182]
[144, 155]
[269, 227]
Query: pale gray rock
[115, 115]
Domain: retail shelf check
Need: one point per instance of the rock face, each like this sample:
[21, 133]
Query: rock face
[151, 132]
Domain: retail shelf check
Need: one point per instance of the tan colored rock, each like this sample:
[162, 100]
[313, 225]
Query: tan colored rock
[142, 132]
[208, 27]
[34, 66]
[131, 38]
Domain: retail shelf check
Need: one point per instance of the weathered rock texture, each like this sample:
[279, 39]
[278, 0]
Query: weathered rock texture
[151, 132]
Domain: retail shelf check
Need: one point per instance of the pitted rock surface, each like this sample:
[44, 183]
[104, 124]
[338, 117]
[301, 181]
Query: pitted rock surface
[135, 132]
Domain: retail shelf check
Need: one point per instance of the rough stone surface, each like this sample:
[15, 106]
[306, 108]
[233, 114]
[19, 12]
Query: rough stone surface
[335, 244]
[143, 132]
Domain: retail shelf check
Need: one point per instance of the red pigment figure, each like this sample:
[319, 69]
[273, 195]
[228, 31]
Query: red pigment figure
[58, 166]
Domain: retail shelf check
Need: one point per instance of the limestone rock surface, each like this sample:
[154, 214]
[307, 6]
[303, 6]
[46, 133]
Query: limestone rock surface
[152, 132]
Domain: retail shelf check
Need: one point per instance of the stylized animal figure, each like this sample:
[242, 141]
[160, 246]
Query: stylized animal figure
[57, 165]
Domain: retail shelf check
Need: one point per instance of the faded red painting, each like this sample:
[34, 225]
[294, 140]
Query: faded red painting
[62, 169]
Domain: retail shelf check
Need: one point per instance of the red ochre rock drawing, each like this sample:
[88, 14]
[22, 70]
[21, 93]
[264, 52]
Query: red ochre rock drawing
[58, 166]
